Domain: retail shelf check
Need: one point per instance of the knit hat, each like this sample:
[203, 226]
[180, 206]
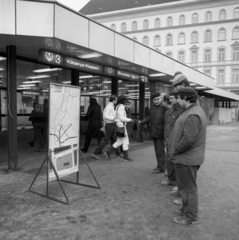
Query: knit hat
[154, 95]
[178, 78]
[187, 91]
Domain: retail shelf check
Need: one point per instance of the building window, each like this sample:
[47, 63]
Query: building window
[235, 53]
[222, 34]
[235, 75]
[181, 56]
[195, 18]
[113, 27]
[169, 21]
[236, 13]
[135, 39]
[181, 38]
[169, 39]
[146, 24]
[222, 14]
[235, 32]
[208, 36]
[169, 54]
[157, 41]
[157, 23]
[207, 71]
[207, 55]
[221, 54]
[182, 20]
[134, 26]
[146, 40]
[208, 16]
[194, 37]
[220, 75]
[123, 27]
[194, 56]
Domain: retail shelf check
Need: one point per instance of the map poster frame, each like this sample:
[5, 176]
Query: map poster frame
[63, 129]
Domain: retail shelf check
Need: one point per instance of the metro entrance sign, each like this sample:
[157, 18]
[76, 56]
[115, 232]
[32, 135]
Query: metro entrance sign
[69, 62]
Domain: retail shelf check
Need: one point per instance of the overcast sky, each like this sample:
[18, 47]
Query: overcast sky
[74, 4]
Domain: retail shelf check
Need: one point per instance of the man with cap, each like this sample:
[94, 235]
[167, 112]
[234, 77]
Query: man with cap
[156, 120]
[171, 116]
[187, 151]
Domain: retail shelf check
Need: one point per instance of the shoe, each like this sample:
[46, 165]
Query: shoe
[184, 220]
[31, 144]
[158, 170]
[178, 202]
[175, 188]
[126, 157]
[120, 155]
[108, 152]
[95, 156]
[167, 183]
[175, 193]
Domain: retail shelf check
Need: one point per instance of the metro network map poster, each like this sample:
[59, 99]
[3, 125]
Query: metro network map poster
[64, 129]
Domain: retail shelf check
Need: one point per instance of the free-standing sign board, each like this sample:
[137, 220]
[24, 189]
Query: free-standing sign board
[64, 129]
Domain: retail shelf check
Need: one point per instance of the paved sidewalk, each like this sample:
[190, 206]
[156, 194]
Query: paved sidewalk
[131, 204]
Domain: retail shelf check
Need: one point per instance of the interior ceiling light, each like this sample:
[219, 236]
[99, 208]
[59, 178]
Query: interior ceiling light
[46, 70]
[1, 69]
[39, 76]
[87, 76]
[193, 84]
[106, 82]
[133, 90]
[157, 75]
[200, 87]
[30, 82]
[2, 58]
[90, 55]
[135, 85]
[65, 82]
[28, 85]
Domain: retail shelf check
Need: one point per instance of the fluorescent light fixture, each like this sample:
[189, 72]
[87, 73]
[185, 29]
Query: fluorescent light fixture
[81, 81]
[120, 81]
[193, 84]
[133, 85]
[171, 80]
[90, 55]
[30, 82]
[39, 76]
[106, 82]
[157, 75]
[45, 90]
[133, 90]
[46, 70]
[66, 82]
[122, 88]
[2, 58]
[86, 76]
[1, 69]
[28, 85]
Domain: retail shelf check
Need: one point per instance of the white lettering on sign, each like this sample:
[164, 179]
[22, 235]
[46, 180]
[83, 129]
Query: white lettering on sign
[82, 65]
[123, 74]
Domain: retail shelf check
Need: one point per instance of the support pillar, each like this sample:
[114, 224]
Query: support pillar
[114, 86]
[12, 108]
[141, 109]
[75, 77]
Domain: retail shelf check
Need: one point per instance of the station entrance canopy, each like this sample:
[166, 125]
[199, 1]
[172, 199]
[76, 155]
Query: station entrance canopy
[49, 31]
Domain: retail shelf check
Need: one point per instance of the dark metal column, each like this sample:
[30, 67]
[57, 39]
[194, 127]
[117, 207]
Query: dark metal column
[75, 77]
[141, 109]
[12, 107]
[114, 86]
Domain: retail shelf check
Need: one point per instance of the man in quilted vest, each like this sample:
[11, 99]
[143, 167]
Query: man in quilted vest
[187, 152]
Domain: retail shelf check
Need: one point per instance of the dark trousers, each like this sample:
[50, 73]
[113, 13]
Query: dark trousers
[170, 169]
[159, 152]
[109, 135]
[186, 177]
[87, 143]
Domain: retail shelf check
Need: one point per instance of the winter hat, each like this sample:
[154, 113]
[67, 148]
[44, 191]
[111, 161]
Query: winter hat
[179, 78]
[187, 91]
[154, 95]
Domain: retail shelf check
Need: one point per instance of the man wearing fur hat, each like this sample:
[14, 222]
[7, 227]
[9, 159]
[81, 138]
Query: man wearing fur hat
[156, 120]
[187, 151]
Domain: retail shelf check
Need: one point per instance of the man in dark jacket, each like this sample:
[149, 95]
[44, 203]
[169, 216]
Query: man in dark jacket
[156, 120]
[187, 151]
[171, 116]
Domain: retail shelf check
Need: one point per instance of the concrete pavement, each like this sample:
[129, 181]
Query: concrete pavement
[131, 204]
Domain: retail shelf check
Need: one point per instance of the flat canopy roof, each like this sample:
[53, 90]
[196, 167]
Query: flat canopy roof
[43, 25]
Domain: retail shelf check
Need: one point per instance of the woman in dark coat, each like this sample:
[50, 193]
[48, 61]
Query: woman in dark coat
[94, 116]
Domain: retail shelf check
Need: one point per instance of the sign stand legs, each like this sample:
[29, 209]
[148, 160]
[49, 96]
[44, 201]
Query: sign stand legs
[48, 160]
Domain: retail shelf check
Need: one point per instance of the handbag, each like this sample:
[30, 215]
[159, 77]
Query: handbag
[120, 131]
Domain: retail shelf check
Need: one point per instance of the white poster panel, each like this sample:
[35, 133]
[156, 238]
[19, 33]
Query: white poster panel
[64, 129]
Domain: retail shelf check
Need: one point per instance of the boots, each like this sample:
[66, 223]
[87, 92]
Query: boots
[108, 152]
[126, 157]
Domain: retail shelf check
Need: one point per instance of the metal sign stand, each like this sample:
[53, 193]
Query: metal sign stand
[49, 161]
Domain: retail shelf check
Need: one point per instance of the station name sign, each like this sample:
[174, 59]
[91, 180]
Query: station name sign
[69, 62]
